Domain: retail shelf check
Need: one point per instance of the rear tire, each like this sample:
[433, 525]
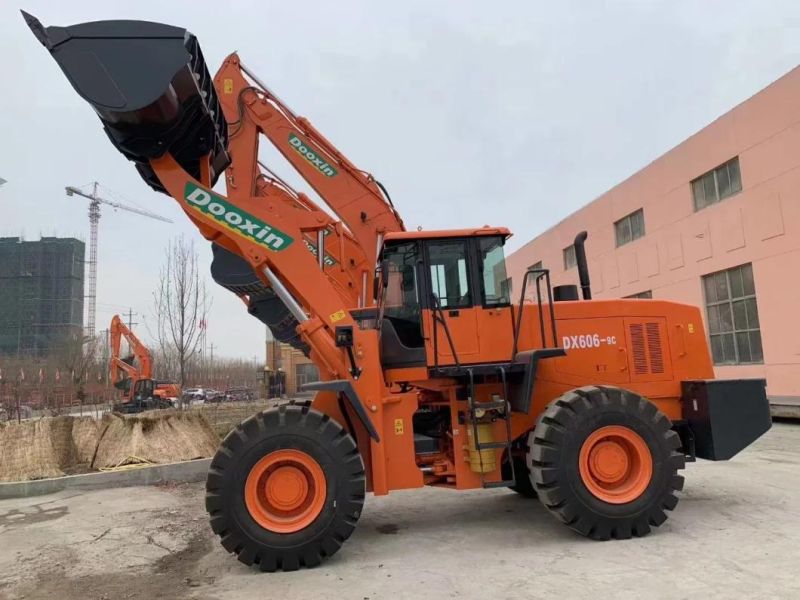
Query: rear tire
[604, 461]
[285, 489]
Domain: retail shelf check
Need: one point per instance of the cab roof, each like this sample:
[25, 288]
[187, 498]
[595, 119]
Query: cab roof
[446, 233]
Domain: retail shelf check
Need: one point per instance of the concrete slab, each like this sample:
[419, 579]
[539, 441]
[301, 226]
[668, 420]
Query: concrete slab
[734, 534]
[785, 407]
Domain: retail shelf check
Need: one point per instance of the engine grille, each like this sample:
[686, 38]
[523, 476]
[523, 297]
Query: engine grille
[648, 354]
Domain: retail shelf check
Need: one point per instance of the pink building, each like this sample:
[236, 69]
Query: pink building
[713, 222]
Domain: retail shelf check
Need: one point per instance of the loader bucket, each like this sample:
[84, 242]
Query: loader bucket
[150, 87]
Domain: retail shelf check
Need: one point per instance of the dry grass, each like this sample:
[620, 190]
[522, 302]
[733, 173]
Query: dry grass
[57, 446]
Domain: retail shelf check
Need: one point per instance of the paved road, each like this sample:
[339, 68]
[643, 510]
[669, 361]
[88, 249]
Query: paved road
[735, 534]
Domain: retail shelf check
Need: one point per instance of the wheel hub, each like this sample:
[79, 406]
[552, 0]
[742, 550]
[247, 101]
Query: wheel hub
[615, 464]
[286, 487]
[285, 491]
[609, 461]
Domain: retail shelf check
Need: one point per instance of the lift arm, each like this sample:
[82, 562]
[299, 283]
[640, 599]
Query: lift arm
[354, 195]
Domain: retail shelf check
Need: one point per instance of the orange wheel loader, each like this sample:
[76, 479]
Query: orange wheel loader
[431, 373]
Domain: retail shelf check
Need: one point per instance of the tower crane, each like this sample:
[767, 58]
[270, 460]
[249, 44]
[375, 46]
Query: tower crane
[94, 218]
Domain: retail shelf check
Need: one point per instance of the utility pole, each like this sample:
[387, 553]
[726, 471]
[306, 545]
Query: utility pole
[130, 319]
[106, 353]
[211, 362]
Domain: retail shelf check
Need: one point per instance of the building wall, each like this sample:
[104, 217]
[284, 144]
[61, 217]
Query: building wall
[41, 293]
[759, 225]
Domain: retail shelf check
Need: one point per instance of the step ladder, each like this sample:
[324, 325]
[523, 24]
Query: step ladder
[502, 410]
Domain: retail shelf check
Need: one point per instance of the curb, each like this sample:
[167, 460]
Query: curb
[181, 472]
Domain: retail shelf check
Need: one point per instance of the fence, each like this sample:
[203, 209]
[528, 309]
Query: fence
[23, 402]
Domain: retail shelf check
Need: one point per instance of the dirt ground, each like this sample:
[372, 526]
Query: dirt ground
[734, 534]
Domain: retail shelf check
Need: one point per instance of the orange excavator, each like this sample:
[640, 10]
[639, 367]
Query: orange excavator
[133, 374]
[431, 373]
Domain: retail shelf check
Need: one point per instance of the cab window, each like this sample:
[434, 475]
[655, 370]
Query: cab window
[449, 277]
[495, 284]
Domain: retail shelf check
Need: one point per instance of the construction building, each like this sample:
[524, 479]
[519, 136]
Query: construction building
[714, 222]
[287, 368]
[41, 294]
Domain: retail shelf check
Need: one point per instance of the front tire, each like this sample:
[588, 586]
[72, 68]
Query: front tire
[285, 489]
[605, 462]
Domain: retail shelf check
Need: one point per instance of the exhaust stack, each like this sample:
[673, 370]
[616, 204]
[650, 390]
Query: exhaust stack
[150, 86]
[583, 267]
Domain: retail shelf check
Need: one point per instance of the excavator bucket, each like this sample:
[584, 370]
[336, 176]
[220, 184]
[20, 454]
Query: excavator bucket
[150, 87]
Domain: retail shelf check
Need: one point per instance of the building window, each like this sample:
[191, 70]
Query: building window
[306, 373]
[646, 295]
[733, 325]
[717, 184]
[629, 228]
[569, 257]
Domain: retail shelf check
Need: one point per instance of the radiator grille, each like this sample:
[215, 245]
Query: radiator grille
[638, 347]
[654, 350]
[648, 354]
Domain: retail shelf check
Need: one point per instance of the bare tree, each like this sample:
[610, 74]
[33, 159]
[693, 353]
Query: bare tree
[76, 355]
[180, 304]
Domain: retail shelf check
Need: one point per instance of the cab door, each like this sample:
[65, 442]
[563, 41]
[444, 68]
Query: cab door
[450, 306]
[495, 325]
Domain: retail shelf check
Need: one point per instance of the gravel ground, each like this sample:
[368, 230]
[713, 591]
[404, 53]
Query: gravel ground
[734, 534]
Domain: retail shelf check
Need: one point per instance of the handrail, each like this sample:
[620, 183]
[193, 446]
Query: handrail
[438, 317]
[540, 274]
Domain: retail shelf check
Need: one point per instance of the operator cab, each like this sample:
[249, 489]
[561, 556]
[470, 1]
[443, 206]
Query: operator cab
[143, 389]
[444, 298]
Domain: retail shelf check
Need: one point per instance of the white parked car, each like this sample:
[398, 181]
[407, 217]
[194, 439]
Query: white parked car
[194, 395]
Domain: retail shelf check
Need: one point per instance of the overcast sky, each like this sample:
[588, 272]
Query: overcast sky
[471, 113]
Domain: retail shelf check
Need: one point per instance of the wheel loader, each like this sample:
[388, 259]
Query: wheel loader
[432, 374]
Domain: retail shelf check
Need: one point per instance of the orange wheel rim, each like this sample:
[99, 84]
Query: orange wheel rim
[615, 464]
[285, 491]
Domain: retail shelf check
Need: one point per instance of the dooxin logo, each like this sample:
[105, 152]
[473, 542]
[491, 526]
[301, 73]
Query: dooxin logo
[311, 156]
[235, 219]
